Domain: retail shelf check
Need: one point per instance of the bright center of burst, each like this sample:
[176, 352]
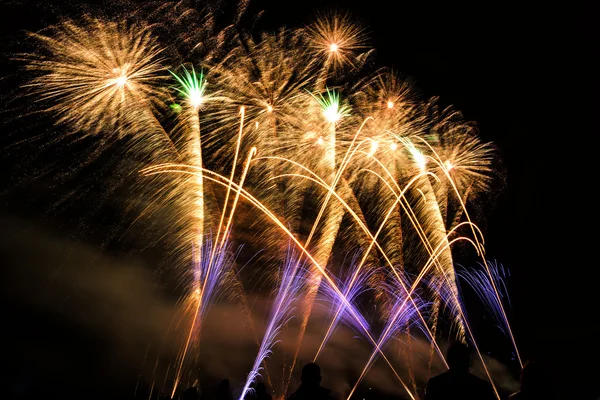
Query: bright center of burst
[449, 165]
[270, 108]
[333, 47]
[390, 104]
[121, 81]
[331, 113]
[393, 146]
[196, 98]
[374, 146]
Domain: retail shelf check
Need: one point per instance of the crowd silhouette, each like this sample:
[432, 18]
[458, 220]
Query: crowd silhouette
[458, 382]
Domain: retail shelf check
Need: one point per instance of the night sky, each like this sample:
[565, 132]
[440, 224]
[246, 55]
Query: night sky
[523, 72]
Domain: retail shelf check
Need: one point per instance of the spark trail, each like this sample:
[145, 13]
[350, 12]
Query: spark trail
[392, 180]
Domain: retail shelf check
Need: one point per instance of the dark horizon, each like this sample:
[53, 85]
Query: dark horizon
[520, 72]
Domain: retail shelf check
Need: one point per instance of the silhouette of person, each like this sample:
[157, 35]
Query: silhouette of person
[310, 385]
[261, 392]
[224, 391]
[458, 382]
[190, 393]
[534, 384]
[258, 392]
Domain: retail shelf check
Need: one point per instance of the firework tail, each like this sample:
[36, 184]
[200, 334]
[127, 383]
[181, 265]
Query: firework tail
[289, 287]
[216, 178]
[481, 252]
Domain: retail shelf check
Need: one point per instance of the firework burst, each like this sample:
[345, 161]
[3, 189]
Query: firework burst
[337, 39]
[99, 76]
[361, 166]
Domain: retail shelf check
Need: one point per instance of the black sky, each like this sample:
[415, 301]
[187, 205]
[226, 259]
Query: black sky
[523, 72]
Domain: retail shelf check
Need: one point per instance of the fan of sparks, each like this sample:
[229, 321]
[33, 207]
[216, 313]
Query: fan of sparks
[325, 158]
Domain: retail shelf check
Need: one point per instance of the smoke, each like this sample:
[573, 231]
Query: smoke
[76, 316]
[79, 317]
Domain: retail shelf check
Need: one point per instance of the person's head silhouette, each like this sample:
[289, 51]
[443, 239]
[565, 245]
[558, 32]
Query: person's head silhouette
[190, 393]
[224, 385]
[261, 388]
[311, 374]
[224, 389]
[458, 356]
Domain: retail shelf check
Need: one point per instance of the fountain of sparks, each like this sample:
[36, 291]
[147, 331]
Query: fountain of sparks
[385, 174]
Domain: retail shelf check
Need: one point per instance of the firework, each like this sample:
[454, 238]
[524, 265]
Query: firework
[479, 281]
[192, 87]
[337, 39]
[403, 315]
[98, 76]
[352, 290]
[209, 275]
[290, 282]
[332, 165]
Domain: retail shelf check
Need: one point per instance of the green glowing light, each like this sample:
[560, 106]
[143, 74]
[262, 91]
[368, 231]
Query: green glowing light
[333, 110]
[192, 86]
